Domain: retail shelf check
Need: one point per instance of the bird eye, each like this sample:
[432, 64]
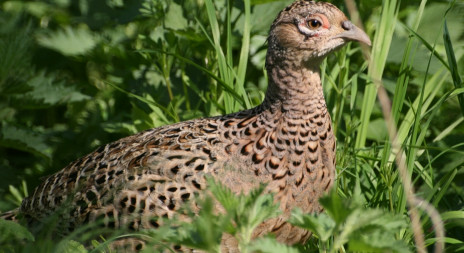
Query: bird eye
[314, 24]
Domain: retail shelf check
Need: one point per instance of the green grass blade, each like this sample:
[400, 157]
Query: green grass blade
[224, 71]
[431, 90]
[175, 117]
[453, 66]
[441, 187]
[242, 66]
[380, 48]
[450, 215]
[224, 85]
[429, 47]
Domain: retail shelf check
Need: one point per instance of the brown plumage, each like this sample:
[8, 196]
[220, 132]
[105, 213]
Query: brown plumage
[286, 142]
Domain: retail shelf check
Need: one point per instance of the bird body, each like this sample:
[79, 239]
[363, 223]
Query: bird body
[287, 143]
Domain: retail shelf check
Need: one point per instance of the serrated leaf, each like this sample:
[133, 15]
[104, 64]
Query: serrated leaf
[337, 208]
[248, 210]
[270, 245]
[205, 231]
[369, 228]
[15, 60]
[26, 140]
[12, 230]
[70, 41]
[45, 90]
[376, 241]
[389, 221]
[261, 209]
[321, 225]
[360, 218]
[224, 195]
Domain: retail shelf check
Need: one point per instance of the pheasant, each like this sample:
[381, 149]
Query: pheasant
[286, 142]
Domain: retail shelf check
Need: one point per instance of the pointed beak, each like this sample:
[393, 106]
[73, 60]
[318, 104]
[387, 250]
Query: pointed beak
[353, 33]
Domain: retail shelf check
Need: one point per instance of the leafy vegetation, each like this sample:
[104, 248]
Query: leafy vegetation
[78, 74]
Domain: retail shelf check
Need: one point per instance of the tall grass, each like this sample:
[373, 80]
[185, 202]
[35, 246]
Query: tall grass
[197, 62]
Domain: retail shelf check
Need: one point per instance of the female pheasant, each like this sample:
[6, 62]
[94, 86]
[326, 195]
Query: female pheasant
[287, 142]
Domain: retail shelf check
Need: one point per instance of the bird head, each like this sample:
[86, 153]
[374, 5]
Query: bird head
[306, 31]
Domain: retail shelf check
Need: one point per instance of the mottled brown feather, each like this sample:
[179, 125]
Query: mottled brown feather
[286, 142]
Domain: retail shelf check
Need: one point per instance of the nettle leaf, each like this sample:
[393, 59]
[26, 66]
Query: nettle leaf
[321, 225]
[372, 230]
[336, 207]
[70, 41]
[205, 231]
[24, 139]
[389, 221]
[12, 230]
[347, 221]
[15, 59]
[360, 218]
[247, 210]
[376, 241]
[261, 209]
[270, 245]
[224, 195]
[46, 91]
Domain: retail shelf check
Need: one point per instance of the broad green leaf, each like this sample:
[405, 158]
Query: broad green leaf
[261, 209]
[26, 140]
[335, 207]
[11, 230]
[206, 229]
[270, 245]
[46, 90]
[224, 195]
[70, 41]
[321, 225]
[70, 246]
[174, 18]
[376, 241]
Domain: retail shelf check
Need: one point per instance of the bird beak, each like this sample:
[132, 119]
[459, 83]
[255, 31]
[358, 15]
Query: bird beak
[353, 33]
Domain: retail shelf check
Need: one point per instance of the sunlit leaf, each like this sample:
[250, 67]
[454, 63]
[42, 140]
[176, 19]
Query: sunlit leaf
[269, 245]
[174, 18]
[376, 241]
[321, 225]
[47, 91]
[70, 246]
[69, 41]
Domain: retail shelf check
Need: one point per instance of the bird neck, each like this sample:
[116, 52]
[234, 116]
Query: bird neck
[295, 88]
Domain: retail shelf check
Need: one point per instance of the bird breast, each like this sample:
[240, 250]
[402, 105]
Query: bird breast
[293, 156]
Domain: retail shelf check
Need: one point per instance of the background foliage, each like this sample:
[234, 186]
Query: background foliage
[75, 75]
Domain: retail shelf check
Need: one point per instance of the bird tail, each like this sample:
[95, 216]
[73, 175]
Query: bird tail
[10, 215]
